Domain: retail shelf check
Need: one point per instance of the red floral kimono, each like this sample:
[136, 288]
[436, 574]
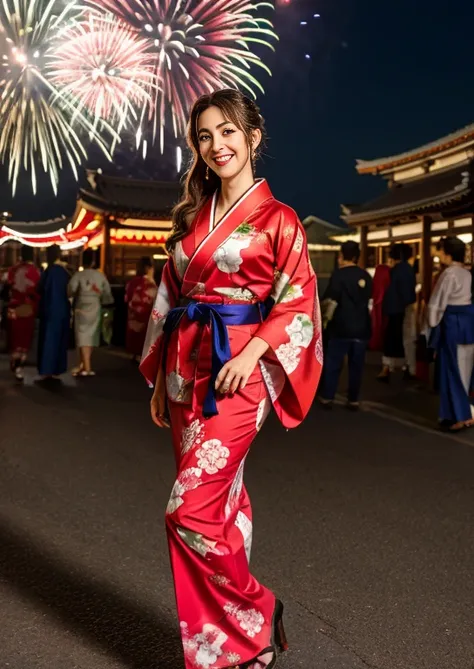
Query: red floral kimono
[257, 251]
[140, 296]
[23, 280]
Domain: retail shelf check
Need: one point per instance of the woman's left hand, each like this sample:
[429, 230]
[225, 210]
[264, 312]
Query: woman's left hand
[236, 373]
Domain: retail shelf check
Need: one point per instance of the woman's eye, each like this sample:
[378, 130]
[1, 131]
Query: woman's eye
[228, 131]
[204, 138]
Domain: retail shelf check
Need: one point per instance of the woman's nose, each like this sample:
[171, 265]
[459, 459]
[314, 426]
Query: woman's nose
[216, 144]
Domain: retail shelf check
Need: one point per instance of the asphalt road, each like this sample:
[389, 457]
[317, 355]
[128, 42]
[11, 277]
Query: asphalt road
[363, 526]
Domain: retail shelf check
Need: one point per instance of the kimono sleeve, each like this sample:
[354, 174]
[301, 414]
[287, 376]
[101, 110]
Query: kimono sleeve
[440, 298]
[167, 298]
[292, 368]
[106, 296]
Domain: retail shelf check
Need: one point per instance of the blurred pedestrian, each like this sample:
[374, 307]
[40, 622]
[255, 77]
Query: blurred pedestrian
[348, 331]
[22, 281]
[379, 320]
[139, 295]
[451, 315]
[398, 306]
[90, 290]
[54, 314]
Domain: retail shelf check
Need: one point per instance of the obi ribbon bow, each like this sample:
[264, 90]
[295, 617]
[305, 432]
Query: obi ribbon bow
[217, 317]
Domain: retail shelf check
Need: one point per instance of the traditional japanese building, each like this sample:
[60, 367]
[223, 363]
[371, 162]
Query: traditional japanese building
[132, 218]
[124, 218]
[430, 194]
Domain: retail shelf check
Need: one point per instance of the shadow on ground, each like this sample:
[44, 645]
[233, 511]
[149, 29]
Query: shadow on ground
[130, 632]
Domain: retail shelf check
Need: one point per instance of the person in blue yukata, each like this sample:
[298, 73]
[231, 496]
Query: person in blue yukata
[450, 317]
[349, 328]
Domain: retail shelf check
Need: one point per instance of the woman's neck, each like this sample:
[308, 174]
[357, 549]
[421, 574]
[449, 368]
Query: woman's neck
[233, 189]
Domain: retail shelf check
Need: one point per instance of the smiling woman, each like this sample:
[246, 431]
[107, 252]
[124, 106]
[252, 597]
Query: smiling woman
[235, 328]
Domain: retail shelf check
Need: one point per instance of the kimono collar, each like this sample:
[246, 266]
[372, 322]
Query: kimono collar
[209, 238]
[255, 195]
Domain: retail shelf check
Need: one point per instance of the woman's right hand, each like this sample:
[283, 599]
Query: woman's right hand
[158, 402]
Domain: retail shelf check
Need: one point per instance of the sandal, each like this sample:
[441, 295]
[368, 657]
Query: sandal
[82, 372]
[278, 641]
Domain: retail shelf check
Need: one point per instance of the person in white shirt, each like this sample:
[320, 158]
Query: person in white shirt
[450, 316]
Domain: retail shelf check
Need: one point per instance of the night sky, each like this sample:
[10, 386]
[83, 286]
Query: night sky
[383, 77]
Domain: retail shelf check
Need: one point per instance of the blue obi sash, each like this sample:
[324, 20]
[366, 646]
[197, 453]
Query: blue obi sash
[455, 329]
[218, 317]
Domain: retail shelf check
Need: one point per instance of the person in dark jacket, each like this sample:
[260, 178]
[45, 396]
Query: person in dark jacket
[349, 329]
[54, 315]
[397, 306]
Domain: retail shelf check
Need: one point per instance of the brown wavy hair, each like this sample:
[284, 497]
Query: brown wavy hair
[245, 114]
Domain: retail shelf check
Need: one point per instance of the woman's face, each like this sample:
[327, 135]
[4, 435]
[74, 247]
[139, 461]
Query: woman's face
[223, 146]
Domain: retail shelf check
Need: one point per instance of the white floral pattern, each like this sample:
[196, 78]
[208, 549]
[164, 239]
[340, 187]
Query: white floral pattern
[212, 456]
[219, 579]
[236, 293]
[250, 620]
[301, 330]
[233, 658]
[227, 257]
[189, 479]
[191, 435]
[292, 293]
[198, 543]
[288, 355]
[204, 649]
[298, 246]
[319, 328]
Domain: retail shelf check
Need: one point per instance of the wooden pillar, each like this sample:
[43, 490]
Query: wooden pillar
[379, 255]
[364, 249]
[105, 248]
[426, 259]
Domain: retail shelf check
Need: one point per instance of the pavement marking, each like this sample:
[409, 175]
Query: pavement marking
[384, 411]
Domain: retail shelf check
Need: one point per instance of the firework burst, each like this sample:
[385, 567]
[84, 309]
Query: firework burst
[105, 67]
[198, 46]
[36, 121]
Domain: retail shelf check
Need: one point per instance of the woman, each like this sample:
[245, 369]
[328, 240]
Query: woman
[379, 320]
[139, 296]
[90, 289]
[235, 327]
[54, 314]
[451, 315]
[23, 281]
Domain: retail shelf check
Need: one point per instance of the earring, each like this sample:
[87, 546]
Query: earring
[207, 173]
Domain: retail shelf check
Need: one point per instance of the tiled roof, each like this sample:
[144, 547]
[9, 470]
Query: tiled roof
[130, 197]
[430, 192]
[425, 151]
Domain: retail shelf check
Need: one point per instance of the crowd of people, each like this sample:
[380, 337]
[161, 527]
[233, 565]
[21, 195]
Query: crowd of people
[69, 307]
[386, 313]
[389, 314]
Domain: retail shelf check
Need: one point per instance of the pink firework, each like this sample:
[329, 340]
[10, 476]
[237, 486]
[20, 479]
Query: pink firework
[198, 46]
[105, 67]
